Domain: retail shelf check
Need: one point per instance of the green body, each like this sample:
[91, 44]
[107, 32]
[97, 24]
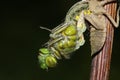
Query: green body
[65, 38]
[68, 37]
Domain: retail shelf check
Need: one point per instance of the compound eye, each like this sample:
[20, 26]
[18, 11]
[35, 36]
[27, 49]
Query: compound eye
[51, 61]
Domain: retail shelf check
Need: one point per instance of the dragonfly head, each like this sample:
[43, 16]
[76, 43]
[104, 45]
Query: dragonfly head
[46, 59]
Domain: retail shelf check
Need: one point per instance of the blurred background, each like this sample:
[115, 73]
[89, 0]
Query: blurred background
[21, 38]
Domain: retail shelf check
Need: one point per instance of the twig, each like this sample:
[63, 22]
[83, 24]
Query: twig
[100, 66]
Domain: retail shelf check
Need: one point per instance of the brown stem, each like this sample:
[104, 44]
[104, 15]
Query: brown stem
[100, 66]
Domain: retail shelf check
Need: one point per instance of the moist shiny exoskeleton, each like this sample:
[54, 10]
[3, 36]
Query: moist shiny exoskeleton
[61, 44]
[66, 37]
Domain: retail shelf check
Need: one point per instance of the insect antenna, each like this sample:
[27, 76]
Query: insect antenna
[45, 45]
[46, 29]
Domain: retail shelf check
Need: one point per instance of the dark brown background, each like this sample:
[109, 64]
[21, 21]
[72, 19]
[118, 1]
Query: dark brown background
[21, 37]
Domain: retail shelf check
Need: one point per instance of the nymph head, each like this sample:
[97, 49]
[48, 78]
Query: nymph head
[46, 59]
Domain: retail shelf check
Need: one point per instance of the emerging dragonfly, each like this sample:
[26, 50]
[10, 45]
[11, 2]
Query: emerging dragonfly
[68, 36]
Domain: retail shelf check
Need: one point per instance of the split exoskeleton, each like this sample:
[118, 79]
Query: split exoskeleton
[68, 36]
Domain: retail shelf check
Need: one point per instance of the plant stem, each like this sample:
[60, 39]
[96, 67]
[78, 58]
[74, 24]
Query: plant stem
[100, 66]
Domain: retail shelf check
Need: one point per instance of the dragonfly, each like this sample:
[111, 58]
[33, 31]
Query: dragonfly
[68, 37]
